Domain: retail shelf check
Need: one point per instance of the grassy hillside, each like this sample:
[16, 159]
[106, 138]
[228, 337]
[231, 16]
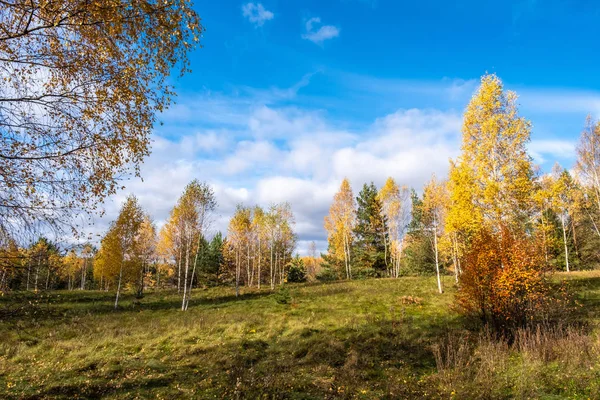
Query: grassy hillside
[369, 339]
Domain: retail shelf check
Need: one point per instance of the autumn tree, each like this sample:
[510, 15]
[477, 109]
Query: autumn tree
[312, 261]
[544, 224]
[118, 258]
[255, 237]
[563, 194]
[43, 264]
[83, 82]
[237, 235]
[494, 156]
[339, 225]
[588, 170]
[261, 236]
[435, 201]
[71, 265]
[108, 259]
[146, 250]
[396, 208]
[170, 245]
[463, 217]
[87, 253]
[11, 258]
[282, 239]
[192, 218]
[502, 270]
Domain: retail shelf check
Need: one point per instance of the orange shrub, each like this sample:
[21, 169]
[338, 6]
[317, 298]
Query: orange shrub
[503, 280]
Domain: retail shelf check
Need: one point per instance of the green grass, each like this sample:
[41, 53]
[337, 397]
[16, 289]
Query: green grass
[336, 340]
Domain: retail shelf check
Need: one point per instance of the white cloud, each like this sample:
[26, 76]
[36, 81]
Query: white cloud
[289, 154]
[269, 152]
[322, 34]
[256, 13]
[557, 148]
[561, 101]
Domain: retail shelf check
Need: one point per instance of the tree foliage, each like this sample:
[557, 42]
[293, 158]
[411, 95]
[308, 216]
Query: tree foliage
[371, 233]
[339, 224]
[82, 83]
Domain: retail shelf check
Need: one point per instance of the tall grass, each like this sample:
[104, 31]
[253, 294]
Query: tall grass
[560, 359]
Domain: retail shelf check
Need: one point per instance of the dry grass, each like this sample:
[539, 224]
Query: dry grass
[556, 360]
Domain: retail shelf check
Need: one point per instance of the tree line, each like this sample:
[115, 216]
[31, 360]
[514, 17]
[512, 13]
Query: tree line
[183, 254]
[493, 195]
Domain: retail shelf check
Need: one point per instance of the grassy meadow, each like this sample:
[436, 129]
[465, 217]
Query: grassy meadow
[369, 339]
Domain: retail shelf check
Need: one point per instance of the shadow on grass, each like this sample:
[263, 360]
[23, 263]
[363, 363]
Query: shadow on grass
[31, 307]
[308, 363]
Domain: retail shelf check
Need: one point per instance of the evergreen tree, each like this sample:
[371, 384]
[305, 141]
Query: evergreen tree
[296, 270]
[215, 257]
[330, 267]
[419, 257]
[371, 233]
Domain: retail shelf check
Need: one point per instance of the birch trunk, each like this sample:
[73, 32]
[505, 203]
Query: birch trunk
[28, 273]
[562, 220]
[272, 282]
[119, 286]
[259, 262]
[37, 273]
[437, 264]
[237, 272]
[83, 273]
[179, 272]
[187, 267]
[187, 301]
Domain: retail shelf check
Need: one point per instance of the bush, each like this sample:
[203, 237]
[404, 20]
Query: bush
[504, 284]
[327, 275]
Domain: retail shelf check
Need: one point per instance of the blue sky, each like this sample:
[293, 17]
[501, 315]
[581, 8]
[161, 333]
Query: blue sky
[287, 97]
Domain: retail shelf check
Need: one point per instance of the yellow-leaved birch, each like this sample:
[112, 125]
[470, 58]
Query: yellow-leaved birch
[339, 225]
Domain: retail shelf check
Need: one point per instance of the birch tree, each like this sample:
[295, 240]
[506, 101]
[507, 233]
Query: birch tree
[118, 247]
[340, 224]
[237, 237]
[396, 207]
[587, 166]
[82, 83]
[494, 155]
[435, 201]
[563, 201]
[193, 214]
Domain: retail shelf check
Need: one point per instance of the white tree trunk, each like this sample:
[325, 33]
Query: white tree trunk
[83, 273]
[187, 267]
[119, 286]
[272, 277]
[437, 263]
[237, 271]
[562, 220]
[179, 272]
[37, 273]
[259, 261]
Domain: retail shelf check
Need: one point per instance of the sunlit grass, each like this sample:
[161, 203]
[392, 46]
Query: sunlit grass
[337, 340]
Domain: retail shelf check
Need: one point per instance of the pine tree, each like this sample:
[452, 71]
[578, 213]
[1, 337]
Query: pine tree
[371, 232]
